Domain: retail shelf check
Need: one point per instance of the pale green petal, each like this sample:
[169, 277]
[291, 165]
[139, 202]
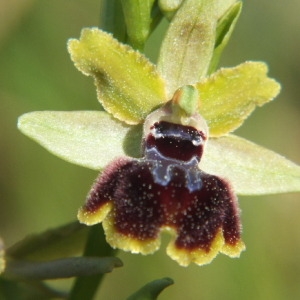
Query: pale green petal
[251, 169]
[87, 138]
[229, 96]
[128, 85]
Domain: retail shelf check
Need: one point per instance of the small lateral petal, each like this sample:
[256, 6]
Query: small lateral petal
[128, 85]
[230, 95]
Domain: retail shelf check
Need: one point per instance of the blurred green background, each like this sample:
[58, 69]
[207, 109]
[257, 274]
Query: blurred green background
[38, 190]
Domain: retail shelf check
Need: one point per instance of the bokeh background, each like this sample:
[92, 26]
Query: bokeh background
[39, 191]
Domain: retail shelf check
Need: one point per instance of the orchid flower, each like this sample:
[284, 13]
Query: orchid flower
[149, 142]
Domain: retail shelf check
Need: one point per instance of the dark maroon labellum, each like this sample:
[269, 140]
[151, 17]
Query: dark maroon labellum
[166, 189]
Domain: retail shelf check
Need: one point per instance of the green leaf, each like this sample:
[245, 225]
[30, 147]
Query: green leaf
[60, 268]
[151, 290]
[87, 138]
[251, 169]
[188, 45]
[230, 95]
[51, 244]
[140, 18]
[128, 85]
[225, 28]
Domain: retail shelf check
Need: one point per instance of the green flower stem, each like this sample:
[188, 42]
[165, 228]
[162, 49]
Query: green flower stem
[86, 287]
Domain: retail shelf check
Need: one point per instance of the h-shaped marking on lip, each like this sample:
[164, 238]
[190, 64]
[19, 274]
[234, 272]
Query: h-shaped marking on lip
[163, 167]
